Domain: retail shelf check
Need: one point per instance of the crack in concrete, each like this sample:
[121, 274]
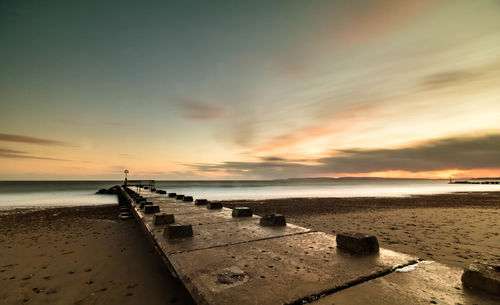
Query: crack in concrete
[350, 284]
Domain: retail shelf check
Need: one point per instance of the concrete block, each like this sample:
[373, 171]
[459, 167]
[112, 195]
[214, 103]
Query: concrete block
[150, 209]
[214, 205]
[138, 201]
[163, 219]
[200, 202]
[188, 198]
[125, 215]
[357, 243]
[273, 220]
[145, 203]
[179, 197]
[178, 230]
[242, 212]
[483, 277]
[172, 195]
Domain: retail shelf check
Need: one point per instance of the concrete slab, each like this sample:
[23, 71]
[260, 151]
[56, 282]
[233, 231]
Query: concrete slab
[206, 216]
[223, 234]
[275, 271]
[212, 228]
[197, 216]
[427, 284]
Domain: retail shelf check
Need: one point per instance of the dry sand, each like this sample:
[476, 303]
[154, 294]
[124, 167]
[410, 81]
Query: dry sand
[80, 256]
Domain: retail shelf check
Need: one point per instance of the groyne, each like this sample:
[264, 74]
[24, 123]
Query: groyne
[225, 256]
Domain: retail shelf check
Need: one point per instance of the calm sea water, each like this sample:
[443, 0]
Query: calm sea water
[17, 194]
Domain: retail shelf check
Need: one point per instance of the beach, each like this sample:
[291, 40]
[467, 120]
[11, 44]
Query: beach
[80, 255]
[85, 255]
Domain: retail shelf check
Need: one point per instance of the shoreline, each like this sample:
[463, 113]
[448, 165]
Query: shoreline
[368, 201]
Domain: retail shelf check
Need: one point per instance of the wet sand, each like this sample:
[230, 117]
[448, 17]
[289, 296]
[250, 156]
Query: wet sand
[80, 256]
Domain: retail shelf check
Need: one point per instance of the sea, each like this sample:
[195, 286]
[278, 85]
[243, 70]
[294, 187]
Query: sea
[30, 194]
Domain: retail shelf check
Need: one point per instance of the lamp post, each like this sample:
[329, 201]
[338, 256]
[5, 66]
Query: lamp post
[126, 172]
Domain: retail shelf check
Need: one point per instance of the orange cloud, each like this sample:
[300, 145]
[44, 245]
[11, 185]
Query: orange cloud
[440, 174]
[330, 124]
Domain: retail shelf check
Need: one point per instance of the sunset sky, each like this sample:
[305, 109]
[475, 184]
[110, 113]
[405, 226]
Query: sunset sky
[249, 89]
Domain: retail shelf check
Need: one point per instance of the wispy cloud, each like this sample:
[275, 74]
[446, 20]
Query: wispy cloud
[17, 154]
[198, 110]
[465, 153]
[103, 123]
[31, 140]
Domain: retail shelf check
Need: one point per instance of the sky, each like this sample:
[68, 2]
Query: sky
[249, 89]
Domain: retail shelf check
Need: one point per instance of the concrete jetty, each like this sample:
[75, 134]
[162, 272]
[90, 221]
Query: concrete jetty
[234, 257]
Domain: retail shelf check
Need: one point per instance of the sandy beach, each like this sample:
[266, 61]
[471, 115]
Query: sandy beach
[81, 256]
[86, 255]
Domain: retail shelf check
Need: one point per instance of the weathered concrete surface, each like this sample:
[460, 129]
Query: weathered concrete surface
[357, 243]
[427, 284]
[163, 219]
[272, 220]
[150, 209]
[223, 234]
[482, 276]
[213, 205]
[242, 212]
[178, 230]
[276, 271]
[236, 260]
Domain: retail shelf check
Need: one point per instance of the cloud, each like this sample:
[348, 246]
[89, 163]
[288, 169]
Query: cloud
[458, 152]
[17, 154]
[464, 153]
[79, 122]
[197, 110]
[460, 77]
[327, 123]
[31, 140]
[447, 78]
